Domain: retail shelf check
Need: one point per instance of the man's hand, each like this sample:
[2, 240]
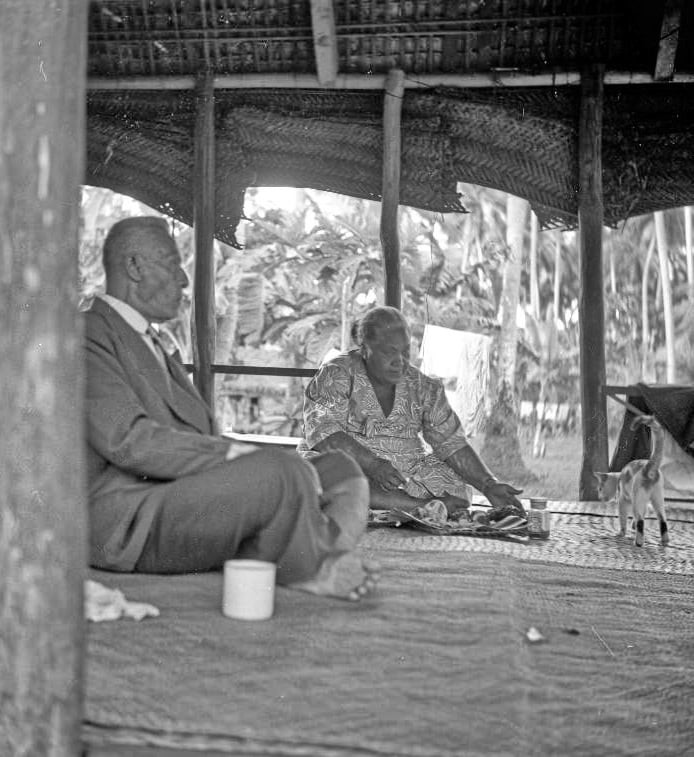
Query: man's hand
[386, 475]
[502, 495]
[237, 449]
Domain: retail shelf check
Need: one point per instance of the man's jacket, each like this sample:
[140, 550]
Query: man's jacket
[143, 429]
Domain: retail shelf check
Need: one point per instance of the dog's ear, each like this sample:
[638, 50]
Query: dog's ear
[600, 477]
[641, 420]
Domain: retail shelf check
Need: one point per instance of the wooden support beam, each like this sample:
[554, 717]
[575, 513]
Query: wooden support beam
[591, 302]
[390, 242]
[669, 38]
[372, 81]
[43, 513]
[324, 41]
[204, 322]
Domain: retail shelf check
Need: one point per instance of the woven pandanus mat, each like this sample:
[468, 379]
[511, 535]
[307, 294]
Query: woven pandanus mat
[141, 144]
[522, 141]
[576, 539]
[437, 663]
[677, 510]
[340, 154]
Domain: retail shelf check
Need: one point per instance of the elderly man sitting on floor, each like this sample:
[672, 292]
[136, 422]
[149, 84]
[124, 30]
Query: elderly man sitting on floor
[372, 403]
[166, 494]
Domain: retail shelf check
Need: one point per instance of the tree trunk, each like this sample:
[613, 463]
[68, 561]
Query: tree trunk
[516, 212]
[646, 361]
[534, 286]
[661, 244]
[549, 351]
[688, 250]
[345, 323]
[557, 275]
[613, 272]
[42, 496]
[501, 448]
[465, 244]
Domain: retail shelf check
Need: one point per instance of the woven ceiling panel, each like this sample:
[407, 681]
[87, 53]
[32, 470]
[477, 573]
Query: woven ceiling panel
[169, 37]
[522, 141]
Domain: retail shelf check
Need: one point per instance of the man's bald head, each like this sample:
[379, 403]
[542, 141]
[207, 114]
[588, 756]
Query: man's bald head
[143, 267]
[127, 237]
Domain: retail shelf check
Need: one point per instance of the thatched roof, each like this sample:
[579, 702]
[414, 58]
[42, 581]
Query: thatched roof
[288, 116]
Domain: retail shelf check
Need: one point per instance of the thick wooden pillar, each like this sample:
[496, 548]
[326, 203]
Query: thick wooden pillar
[204, 323]
[390, 241]
[42, 485]
[591, 302]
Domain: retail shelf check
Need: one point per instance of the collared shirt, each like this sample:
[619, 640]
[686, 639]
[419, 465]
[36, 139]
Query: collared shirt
[135, 320]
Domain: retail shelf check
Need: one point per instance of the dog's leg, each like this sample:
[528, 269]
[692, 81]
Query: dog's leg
[658, 502]
[640, 500]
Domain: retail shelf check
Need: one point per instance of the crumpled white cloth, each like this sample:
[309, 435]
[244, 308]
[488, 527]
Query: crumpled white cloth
[102, 603]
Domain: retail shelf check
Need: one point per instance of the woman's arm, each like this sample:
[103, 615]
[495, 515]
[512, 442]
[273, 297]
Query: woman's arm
[442, 429]
[376, 469]
[470, 467]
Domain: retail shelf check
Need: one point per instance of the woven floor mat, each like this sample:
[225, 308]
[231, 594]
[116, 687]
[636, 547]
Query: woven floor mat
[436, 663]
[584, 540]
[679, 510]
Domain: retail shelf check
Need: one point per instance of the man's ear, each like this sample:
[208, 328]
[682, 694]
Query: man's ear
[132, 268]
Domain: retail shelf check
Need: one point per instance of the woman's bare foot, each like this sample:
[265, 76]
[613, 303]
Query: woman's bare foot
[344, 576]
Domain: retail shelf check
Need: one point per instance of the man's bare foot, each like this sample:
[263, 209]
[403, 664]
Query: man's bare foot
[344, 576]
[394, 499]
[347, 503]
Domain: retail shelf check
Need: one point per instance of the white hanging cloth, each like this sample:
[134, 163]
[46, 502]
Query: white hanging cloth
[462, 359]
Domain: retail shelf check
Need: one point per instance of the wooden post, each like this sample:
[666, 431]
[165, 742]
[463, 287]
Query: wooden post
[392, 107]
[324, 41]
[591, 301]
[204, 324]
[43, 554]
[669, 38]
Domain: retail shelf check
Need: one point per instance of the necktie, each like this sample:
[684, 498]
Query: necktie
[159, 350]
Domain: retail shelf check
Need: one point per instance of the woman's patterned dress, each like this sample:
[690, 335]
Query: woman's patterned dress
[420, 432]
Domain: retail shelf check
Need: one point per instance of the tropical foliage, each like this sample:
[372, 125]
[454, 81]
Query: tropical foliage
[308, 269]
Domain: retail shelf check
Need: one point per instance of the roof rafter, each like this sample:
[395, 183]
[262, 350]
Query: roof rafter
[669, 38]
[324, 41]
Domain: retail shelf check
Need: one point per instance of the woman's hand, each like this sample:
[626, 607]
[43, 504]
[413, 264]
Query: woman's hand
[454, 504]
[501, 495]
[386, 475]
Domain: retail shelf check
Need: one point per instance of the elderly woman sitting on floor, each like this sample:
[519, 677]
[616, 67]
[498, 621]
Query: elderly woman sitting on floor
[372, 403]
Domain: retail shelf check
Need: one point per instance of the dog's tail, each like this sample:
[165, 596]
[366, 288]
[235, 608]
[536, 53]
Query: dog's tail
[651, 470]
